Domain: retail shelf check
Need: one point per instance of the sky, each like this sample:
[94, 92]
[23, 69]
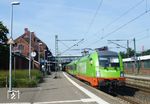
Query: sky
[95, 21]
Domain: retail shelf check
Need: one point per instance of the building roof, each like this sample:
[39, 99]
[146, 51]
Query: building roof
[145, 57]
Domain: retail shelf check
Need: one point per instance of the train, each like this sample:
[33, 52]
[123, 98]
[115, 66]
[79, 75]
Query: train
[102, 68]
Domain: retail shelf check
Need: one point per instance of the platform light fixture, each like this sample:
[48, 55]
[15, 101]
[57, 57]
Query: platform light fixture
[10, 42]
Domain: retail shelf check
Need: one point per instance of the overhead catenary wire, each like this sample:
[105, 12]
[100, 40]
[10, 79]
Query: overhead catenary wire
[119, 17]
[123, 14]
[115, 20]
[145, 5]
[144, 37]
[139, 33]
[61, 41]
[72, 46]
[93, 19]
[120, 27]
[82, 49]
[118, 44]
[64, 44]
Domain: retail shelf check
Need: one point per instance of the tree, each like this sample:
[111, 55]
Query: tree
[147, 52]
[129, 53]
[4, 48]
[3, 33]
[123, 54]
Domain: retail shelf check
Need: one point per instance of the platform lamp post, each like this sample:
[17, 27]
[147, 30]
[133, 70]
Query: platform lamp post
[10, 42]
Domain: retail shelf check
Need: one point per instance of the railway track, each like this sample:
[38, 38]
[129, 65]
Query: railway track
[144, 89]
[129, 94]
[121, 96]
[133, 94]
[127, 100]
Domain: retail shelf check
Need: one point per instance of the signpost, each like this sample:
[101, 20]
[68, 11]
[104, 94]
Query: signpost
[33, 54]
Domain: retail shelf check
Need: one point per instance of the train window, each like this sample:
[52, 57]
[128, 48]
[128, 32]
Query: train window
[114, 62]
[104, 62]
[109, 61]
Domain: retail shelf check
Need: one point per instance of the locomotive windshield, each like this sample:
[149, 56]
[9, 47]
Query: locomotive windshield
[108, 59]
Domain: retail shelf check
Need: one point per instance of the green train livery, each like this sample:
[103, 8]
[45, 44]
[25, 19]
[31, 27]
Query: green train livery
[102, 68]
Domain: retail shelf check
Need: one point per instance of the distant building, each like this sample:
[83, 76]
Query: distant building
[142, 65]
[37, 45]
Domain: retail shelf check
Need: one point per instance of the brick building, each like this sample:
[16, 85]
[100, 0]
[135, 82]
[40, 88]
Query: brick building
[37, 45]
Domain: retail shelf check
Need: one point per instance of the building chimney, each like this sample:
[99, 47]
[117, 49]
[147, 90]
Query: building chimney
[26, 30]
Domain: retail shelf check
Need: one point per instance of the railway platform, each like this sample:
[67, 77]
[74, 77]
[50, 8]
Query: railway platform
[138, 80]
[144, 77]
[62, 89]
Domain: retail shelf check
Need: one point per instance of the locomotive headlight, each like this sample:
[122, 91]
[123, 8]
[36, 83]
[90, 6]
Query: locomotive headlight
[121, 74]
[97, 74]
[91, 62]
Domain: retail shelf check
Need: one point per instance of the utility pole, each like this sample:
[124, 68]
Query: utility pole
[56, 55]
[135, 63]
[128, 48]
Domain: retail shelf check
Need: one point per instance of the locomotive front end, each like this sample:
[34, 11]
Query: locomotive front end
[111, 74]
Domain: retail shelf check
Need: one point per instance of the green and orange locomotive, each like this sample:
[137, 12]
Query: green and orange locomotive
[102, 68]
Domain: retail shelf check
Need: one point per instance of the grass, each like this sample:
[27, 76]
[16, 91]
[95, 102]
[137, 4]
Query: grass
[20, 78]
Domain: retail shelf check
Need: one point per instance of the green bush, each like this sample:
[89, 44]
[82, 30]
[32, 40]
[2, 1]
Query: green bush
[26, 83]
[32, 83]
[21, 78]
[2, 81]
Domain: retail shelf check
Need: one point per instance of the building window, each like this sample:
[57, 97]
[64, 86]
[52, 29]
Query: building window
[21, 47]
[34, 39]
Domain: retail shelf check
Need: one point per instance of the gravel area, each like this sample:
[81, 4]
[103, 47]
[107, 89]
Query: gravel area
[134, 94]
